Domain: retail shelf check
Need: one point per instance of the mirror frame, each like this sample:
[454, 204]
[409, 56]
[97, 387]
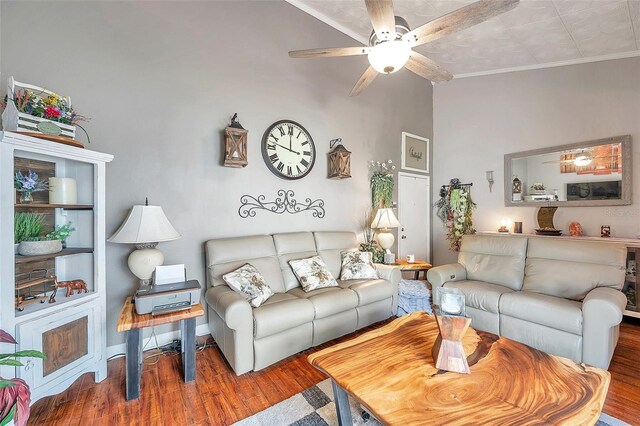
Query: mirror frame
[626, 174]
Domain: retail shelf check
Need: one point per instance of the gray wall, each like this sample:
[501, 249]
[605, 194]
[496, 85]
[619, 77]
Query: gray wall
[160, 81]
[477, 120]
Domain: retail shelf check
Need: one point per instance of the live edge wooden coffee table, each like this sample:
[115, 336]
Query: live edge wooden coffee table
[390, 372]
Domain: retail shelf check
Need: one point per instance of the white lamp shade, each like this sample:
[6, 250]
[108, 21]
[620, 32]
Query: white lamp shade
[145, 224]
[385, 218]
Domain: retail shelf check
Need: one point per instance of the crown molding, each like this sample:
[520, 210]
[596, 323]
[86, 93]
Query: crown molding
[329, 21]
[578, 61]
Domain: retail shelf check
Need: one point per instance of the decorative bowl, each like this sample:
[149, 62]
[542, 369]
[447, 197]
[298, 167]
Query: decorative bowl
[36, 248]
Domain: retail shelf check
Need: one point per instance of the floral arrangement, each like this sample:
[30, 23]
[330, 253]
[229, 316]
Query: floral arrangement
[15, 395]
[381, 183]
[29, 182]
[455, 208]
[52, 107]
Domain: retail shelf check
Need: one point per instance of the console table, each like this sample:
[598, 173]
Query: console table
[132, 323]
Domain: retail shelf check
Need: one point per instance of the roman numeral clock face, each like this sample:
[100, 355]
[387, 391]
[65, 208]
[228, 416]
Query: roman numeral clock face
[288, 150]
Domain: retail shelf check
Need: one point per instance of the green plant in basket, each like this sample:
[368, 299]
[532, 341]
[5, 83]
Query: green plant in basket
[27, 226]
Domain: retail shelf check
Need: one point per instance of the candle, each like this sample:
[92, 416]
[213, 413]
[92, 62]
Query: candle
[62, 191]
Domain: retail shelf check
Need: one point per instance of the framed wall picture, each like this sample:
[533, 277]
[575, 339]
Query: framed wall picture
[415, 153]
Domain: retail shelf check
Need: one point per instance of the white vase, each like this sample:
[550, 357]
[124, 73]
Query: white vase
[36, 248]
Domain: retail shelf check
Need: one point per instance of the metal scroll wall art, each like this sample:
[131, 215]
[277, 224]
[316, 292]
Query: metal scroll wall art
[284, 203]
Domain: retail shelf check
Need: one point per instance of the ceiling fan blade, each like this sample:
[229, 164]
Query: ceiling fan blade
[425, 67]
[364, 81]
[458, 20]
[382, 18]
[329, 52]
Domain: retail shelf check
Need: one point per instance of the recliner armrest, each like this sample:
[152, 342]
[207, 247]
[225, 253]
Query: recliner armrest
[602, 312]
[234, 309]
[441, 274]
[389, 272]
[604, 305]
[393, 275]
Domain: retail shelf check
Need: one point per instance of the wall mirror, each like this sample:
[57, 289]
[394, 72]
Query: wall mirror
[591, 173]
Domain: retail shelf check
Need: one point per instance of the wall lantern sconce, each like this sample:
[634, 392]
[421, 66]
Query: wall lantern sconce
[490, 179]
[235, 152]
[339, 161]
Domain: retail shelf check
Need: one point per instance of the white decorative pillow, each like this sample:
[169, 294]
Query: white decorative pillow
[247, 281]
[357, 265]
[312, 273]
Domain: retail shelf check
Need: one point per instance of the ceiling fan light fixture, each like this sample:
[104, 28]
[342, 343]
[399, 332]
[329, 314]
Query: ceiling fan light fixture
[582, 160]
[389, 56]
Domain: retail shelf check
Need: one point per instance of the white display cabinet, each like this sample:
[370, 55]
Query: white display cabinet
[71, 331]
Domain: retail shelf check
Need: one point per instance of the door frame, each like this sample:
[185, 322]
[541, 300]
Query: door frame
[428, 178]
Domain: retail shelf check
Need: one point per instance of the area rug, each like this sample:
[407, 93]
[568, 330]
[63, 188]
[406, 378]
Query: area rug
[315, 407]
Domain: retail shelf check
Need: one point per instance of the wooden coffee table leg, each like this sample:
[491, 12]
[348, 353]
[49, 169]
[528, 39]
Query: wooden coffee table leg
[342, 405]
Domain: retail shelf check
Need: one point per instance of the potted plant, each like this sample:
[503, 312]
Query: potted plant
[62, 233]
[370, 244]
[27, 184]
[15, 395]
[26, 226]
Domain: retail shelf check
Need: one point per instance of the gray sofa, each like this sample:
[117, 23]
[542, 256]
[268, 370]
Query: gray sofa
[291, 320]
[559, 295]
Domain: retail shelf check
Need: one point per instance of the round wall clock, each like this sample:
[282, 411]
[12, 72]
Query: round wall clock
[288, 150]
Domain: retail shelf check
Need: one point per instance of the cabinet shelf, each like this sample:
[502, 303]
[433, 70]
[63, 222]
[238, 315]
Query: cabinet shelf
[54, 206]
[64, 252]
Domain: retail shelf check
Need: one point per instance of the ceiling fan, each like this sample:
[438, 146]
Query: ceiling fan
[391, 41]
[582, 157]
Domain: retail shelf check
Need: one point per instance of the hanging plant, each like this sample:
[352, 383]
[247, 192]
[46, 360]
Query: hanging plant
[455, 209]
[381, 184]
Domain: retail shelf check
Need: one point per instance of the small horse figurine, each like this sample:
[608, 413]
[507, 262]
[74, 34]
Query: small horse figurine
[72, 285]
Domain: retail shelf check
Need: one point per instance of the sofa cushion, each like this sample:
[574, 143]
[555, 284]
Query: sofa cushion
[329, 245]
[328, 301]
[554, 312]
[292, 246]
[228, 254]
[312, 273]
[480, 295]
[281, 312]
[357, 265]
[248, 282]
[494, 259]
[572, 268]
[369, 291]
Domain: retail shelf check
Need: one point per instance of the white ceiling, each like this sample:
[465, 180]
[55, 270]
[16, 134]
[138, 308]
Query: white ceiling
[536, 34]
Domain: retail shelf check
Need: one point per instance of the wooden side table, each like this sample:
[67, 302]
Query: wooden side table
[132, 324]
[417, 266]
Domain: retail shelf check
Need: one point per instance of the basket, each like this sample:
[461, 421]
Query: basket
[16, 121]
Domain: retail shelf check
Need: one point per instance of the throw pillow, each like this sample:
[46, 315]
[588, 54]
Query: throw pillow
[312, 273]
[357, 265]
[247, 281]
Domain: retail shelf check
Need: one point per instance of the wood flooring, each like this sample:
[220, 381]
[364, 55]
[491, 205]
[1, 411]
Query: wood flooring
[219, 397]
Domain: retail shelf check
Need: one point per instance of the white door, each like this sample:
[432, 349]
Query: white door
[414, 213]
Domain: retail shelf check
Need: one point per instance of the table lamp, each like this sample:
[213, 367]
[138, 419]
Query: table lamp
[145, 227]
[385, 219]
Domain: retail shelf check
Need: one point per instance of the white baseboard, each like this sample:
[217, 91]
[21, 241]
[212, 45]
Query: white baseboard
[116, 351]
